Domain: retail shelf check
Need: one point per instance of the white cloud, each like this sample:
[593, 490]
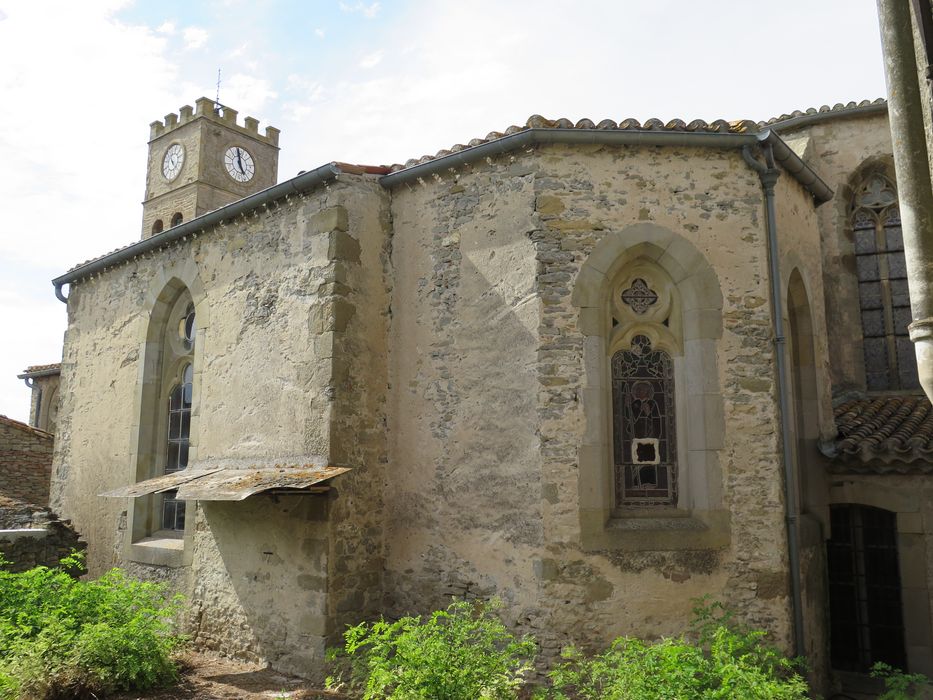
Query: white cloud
[319, 32]
[239, 51]
[247, 93]
[74, 153]
[195, 37]
[368, 11]
[166, 28]
[371, 60]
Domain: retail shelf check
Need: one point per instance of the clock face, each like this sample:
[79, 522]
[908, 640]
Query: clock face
[173, 160]
[239, 164]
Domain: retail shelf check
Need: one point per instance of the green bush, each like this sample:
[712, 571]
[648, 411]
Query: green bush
[902, 686]
[461, 653]
[725, 662]
[64, 637]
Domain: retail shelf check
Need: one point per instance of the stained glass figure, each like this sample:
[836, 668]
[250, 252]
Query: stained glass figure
[644, 436]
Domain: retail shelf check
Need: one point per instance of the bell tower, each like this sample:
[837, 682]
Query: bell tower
[200, 159]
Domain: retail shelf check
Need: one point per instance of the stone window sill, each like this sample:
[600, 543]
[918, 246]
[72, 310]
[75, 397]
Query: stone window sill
[661, 530]
[161, 549]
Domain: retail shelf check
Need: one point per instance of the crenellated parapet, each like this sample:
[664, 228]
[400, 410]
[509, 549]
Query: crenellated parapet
[209, 109]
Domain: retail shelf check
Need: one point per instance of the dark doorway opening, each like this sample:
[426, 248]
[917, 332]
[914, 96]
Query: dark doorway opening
[866, 618]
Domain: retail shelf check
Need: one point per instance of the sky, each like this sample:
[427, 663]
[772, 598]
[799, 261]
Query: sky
[364, 81]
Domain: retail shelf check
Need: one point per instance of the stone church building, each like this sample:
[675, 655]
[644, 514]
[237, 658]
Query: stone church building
[594, 369]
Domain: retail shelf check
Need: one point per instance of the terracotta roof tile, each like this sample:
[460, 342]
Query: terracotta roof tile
[883, 434]
[25, 427]
[837, 108]
[536, 121]
[42, 368]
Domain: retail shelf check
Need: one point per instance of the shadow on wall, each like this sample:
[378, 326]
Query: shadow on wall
[260, 580]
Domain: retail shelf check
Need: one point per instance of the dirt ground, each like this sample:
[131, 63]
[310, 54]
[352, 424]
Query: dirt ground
[206, 677]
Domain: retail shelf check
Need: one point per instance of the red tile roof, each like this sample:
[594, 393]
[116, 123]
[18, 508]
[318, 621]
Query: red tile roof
[42, 368]
[886, 433]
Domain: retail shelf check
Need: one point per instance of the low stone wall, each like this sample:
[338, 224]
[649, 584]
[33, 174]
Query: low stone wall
[31, 536]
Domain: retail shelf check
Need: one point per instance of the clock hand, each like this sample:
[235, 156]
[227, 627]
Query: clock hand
[239, 161]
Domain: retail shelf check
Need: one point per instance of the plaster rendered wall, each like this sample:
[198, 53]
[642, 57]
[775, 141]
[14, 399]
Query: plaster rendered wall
[838, 148]
[463, 496]
[267, 293]
[487, 374]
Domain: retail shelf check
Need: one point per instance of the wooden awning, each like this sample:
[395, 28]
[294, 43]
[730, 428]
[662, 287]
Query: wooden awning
[234, 484]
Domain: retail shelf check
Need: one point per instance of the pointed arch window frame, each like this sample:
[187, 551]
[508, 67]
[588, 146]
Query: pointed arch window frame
[881, 272]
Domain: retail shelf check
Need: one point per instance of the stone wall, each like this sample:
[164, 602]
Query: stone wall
[25, 462]
[837, 150]
[275, 292]
[489, 436]
[33, 536]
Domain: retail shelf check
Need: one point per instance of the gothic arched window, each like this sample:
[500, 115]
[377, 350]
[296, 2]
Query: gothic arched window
[884, 300]
[644, 436]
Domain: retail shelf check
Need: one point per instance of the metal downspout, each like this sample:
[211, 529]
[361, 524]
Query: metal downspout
[912, 166]
[769, 175]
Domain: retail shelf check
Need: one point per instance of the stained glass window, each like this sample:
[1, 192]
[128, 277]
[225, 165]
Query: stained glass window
[644, 437]
[882, 281]
[639, 296]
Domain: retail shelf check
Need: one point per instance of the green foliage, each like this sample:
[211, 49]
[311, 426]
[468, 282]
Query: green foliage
[726, 661]
[902, 686]
[461, 653]
[63, 636]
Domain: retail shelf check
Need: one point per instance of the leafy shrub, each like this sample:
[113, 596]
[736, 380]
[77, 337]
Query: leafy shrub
[902, 686]
[461, 653]
[63, 637]
[726, 661]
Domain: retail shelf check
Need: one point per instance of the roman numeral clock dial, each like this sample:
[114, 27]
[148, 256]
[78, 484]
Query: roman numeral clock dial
[172, 161]
[239, 164]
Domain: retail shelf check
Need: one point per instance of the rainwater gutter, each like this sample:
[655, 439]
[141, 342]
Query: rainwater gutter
[297, 185]
[768, 173]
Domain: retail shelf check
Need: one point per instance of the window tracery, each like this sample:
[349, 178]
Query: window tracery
[644, 436]
[639, 296]
[884, 300]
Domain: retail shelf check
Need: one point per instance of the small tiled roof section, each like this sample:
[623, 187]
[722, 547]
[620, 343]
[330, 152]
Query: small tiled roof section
[42, 368]
[536, 121]
[884, 434]
[25, 427]
[837, 109]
